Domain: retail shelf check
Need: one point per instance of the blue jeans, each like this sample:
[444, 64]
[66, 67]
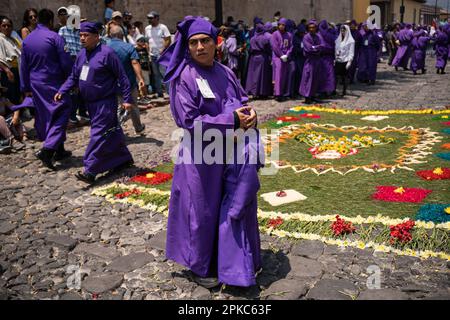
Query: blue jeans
[159, 71]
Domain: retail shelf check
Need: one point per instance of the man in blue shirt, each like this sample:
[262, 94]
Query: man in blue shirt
[130, 60]
[109, 4]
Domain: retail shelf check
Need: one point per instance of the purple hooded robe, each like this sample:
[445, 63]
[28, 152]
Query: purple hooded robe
[403, 55]
[259, 76]
[419, 48]
[281, 45]
[205, 231]
[441, 48]
[311, 70]
[45, 65]
[106, 149]
[327, 83]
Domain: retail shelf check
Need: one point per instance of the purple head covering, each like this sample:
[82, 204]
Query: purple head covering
[301, 28]
[90, 27]
[259, 28]
[312, 21]
[257, 21]
[174, 58]
[268, 27]
[291, 26]
[283, 21]
[323, 26]
[353, 23]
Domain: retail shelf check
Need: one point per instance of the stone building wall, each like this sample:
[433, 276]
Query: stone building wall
[174, 10]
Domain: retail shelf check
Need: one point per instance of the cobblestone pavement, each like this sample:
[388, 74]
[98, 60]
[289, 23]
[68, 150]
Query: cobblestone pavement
[54, 233]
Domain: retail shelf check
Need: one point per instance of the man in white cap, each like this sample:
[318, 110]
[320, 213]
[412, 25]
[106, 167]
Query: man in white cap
[159, 39]
[62, 17]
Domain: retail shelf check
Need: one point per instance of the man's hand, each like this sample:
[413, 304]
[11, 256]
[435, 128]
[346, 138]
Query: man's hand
[127, 106]
[349, 64]
[142, 87]
[252, 119]
[243, 117]
[57, 97]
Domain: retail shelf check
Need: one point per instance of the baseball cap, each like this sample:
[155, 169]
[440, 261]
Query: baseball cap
[59, 11]
[127, 13]
[153, 14]
[116, 14]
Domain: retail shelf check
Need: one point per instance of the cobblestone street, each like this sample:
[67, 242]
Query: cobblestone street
[52, 229]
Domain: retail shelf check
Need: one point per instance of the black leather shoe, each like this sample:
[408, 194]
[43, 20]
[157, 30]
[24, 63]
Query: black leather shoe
[60, 155]
[46, 156]
[208, 283]
[308, 101]
[122, 166]
[85, 177]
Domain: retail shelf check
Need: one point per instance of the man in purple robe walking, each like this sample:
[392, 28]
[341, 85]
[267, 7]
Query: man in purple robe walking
[44, 67]
[403, 54]
[327, 83]
[282, 48]
[419, 47]
[299, 58]
[259, 76]
[358, 44]
[218, 243]
[368, 56]
[312, 48]
[442, 50]
[98, 72]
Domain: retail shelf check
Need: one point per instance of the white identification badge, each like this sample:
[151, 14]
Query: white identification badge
[301, 45]
[84, 72]
[205, 89]
[366, 43]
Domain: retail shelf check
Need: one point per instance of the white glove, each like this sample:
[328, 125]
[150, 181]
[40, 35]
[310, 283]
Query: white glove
[284, 58]
[349, 64]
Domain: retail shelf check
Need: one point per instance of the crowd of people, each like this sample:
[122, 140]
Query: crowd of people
[279, 59]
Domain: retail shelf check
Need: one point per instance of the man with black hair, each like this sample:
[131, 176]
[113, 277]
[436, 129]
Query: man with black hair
[45, 65]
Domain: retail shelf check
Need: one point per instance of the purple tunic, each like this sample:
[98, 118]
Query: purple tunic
[327, 83]
[299, 60]
[403, 54]
[281, 45]
[312, 67]
[442, 51]
[368, 57]
[358, 44]
[44, 67]
[419, 47]
[259, 76]
[106, 149]
[200, 234]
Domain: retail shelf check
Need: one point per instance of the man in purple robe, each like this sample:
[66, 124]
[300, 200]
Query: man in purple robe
[327, 83]
[442, 51]
[419, 47]
[97, 72]
[358, 44]
[368, 57]
[259, 76]
[45, 65]
[403, 54]
[215, 241]
[282, 48]
[312, 48]
[298, 57]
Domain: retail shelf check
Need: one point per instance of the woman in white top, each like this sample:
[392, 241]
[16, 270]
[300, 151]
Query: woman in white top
[345, 52]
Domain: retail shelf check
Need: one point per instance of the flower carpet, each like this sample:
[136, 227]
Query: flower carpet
[367, 179]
